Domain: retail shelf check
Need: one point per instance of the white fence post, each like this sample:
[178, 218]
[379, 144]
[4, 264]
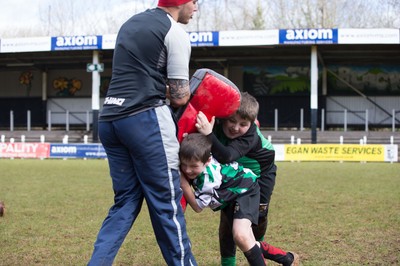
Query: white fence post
[28, 120]
[11, 120]
[49, 120]
[87, 121]
[301, 119]
[67, 120]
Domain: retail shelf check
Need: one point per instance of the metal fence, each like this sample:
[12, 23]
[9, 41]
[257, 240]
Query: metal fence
[66, 119]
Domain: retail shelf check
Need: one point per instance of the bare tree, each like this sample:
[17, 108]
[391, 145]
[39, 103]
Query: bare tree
[67, 17]
[315, 13]
[61, 17]
[390, 15]
[259, 21]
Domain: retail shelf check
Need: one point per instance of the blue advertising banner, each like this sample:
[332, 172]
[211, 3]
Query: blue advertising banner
[204, 38]
[308, 36]
[76, 43]
[77, 151]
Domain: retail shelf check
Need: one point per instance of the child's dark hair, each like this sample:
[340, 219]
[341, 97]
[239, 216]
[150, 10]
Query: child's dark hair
[195, 146]
[248, 107]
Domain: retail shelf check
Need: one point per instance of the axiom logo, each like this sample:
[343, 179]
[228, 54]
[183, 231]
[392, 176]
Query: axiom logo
[201, 36]
[68, 41]
[64, 149]
[309, 34]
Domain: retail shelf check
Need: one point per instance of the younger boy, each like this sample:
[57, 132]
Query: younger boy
[239, 139]
[217, 185]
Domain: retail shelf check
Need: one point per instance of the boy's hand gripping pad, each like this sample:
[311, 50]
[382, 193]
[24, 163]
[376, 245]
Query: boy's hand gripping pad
[213, 94]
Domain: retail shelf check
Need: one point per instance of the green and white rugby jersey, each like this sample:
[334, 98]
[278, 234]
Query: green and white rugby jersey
[220, 184]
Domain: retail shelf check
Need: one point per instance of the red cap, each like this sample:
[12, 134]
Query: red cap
[167, 3]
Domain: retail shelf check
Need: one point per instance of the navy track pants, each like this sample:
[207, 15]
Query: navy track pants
[142, 152]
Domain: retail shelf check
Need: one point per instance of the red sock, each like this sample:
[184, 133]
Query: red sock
[271, 250]
[275, 254]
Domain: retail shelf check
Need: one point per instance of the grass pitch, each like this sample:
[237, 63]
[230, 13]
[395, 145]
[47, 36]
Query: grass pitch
[329, 213]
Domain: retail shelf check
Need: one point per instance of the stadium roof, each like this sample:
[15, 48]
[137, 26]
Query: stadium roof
[335, 46]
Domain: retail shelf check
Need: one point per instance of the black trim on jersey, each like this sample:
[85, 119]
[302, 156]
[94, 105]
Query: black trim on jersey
[250, 145]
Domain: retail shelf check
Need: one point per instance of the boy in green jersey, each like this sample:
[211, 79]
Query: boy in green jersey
[238, 138]
[220, 185]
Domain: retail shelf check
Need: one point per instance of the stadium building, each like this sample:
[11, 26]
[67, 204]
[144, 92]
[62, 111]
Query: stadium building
[317, 79]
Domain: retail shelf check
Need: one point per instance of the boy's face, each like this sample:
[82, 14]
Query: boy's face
[192, 168]
[235, 126]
